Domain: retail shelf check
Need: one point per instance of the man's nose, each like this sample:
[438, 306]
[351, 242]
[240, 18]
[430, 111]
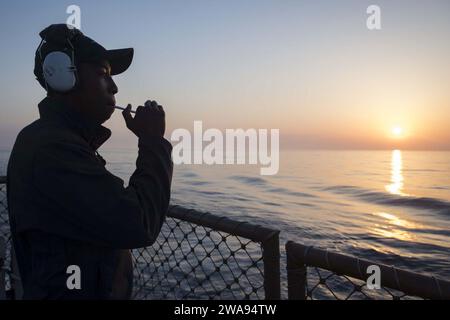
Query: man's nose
[113, 86]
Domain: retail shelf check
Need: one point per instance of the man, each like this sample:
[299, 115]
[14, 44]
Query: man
[66, 210]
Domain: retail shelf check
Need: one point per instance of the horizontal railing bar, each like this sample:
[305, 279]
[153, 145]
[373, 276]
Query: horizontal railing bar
[247, 230]
[410, 283]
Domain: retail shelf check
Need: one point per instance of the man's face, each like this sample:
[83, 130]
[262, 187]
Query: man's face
[95, 95]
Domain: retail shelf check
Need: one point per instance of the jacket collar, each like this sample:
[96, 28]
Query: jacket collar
[55, 109]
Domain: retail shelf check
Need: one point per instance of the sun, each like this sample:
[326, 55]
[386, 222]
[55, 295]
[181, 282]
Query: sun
[397, 131]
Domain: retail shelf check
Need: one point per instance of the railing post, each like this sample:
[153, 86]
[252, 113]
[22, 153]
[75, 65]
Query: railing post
[271, 258]
[2, 269]
[296, 274]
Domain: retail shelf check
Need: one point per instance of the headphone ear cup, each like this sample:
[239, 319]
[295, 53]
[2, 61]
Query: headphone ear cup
[59, 71]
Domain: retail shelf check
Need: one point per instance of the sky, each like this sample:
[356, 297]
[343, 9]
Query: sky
[311, 69]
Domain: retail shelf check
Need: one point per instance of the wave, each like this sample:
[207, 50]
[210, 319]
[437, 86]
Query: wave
[209, 193]
[291, 193]
[199, 183]
[189, 174]
[391, 199]
[422, 170]
[260, 182]
[250, 180]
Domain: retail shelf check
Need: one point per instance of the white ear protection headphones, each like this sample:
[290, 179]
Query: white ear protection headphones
[58, 68]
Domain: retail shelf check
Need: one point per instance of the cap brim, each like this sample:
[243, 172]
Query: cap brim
[119, 59]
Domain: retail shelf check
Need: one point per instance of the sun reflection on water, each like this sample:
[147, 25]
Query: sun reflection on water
[394, 227]
[396, 185]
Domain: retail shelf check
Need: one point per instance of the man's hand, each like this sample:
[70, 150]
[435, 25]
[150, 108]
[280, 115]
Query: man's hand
[148, 121]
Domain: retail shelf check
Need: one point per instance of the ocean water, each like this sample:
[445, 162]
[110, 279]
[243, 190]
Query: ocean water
[392, 206]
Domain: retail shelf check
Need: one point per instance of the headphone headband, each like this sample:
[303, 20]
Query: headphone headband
[59, 34]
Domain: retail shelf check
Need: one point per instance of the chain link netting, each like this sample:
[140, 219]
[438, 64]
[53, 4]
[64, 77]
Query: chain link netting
[5, 234]
[190, 261]
[324, 284]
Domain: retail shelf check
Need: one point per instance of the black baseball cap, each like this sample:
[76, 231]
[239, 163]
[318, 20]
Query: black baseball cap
[57, 36]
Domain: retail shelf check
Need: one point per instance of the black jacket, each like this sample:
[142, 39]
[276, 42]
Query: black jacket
[66, 209]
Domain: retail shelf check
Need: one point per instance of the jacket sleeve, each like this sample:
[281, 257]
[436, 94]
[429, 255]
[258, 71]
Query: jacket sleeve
[88, 203]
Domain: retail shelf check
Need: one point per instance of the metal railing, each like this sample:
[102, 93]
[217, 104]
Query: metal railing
[197, 255]
[202, 256]
[320, 274]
